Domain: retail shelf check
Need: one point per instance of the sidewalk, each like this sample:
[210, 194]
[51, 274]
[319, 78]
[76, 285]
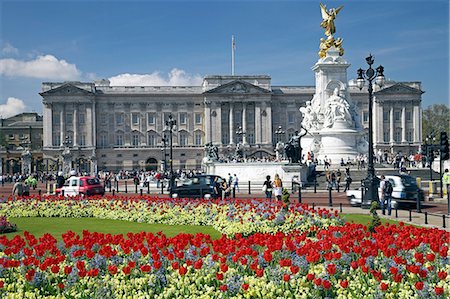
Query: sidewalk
[418, 219]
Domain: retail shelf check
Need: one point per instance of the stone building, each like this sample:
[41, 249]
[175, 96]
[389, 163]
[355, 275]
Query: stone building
[20, 133]
[121, 127]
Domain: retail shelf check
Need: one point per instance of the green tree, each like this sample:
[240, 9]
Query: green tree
[435, 119]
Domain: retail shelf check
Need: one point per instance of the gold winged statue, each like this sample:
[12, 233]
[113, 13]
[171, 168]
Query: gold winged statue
[328, 19]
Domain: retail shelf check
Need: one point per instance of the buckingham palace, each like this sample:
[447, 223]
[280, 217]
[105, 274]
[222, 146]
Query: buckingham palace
[123, 127]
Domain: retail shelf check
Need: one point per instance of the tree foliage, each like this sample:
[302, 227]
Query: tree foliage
[435, 119]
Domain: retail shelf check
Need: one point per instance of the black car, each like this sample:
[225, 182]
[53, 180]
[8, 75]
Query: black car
[199, 186]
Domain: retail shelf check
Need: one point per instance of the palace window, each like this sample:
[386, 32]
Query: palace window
[398, 135]
[82, 118]
[135, 140]
[183, 118]
[250, 138]
[119, 139]
[397, 115]
[56, 139]
[385, 116]
[103, 140]
[408, 115]
[151, 139]
[151, 118]
[183, 139]
[69, 119]
[225, 138]
[365, 116]
[198, 138]
[386, 136]
[82, 140]
[291, 117]
[135, 119]
[119, 119]
[198, 118]
[56, 119]
[410, 135]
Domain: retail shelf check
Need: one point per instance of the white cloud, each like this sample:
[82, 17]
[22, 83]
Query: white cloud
[8, 49]
[42, 67]
[176, 77]
[13, 106]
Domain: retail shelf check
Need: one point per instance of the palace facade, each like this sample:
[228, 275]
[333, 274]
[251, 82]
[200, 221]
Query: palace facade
[122, 127]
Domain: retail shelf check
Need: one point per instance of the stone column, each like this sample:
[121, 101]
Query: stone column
[75, 125]
[404, 124]
[267, 138]
[391, 124]
[244, 123]
[257, 123]
[93, 137]
[231, 121]
[217, 137]
[207, 121]
[61, 125]
[48, 125]
[416, 124]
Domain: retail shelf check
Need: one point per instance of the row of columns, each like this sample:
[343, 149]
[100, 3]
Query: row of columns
[262, 122]
[416, 126]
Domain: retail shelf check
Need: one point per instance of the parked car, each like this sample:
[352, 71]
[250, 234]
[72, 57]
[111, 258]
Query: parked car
[405, 191]
[199, 186]
[84, 185]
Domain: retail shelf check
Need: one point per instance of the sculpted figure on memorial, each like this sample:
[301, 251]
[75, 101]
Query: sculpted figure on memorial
[337, 108]
[212, 152]
[310, 119]
[328, 19]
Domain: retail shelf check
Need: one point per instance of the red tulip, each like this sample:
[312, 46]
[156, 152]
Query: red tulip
[438, 290]
[384, 286]
[245, 286]
[344, 284]
[326, 284]
[182, 271]
[286, 277]
[419, 285]
[219, 276]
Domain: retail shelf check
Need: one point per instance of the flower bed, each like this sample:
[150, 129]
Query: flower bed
[6, 226]
[226, 216]
[340, 262]
[269, 253]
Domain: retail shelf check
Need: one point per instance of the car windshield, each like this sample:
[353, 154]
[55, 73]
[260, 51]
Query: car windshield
[409, 181]
[93, 182]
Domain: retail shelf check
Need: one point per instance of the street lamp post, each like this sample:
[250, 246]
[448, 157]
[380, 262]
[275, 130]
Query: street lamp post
[371, 182]
[171, 125]
[163, 150]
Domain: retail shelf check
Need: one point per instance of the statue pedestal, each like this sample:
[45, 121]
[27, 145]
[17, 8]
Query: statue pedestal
[26, 162]
[339, 142]
[256, 172]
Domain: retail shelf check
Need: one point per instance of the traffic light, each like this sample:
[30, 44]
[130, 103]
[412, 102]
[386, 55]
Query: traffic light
[444, 146]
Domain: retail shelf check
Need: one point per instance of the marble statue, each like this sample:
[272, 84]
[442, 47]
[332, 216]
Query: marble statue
[337, 108]
[279, 150]
[310, 119]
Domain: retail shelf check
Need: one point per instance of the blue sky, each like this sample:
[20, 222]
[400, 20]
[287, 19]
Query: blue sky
[179, 42]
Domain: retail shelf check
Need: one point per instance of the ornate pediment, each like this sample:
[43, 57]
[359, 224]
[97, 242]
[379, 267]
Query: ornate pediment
[399, 88]
[68, 89]
[238, 87]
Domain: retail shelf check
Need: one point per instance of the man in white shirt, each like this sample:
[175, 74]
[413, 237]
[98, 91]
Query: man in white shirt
[236, 183]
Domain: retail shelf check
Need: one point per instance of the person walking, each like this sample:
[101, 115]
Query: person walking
[267, 188]
[348, 181]
[278, 186]
[386, 195]
[446, 180]
[338, 180]
[18, 189]
[236, 183]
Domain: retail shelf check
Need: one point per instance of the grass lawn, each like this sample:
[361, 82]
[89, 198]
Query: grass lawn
[364, 219]
[38, 226]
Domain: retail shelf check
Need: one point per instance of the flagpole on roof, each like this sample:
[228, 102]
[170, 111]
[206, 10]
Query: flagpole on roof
[233, 48]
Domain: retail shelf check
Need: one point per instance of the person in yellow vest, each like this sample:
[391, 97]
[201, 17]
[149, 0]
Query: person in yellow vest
[446, 180]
